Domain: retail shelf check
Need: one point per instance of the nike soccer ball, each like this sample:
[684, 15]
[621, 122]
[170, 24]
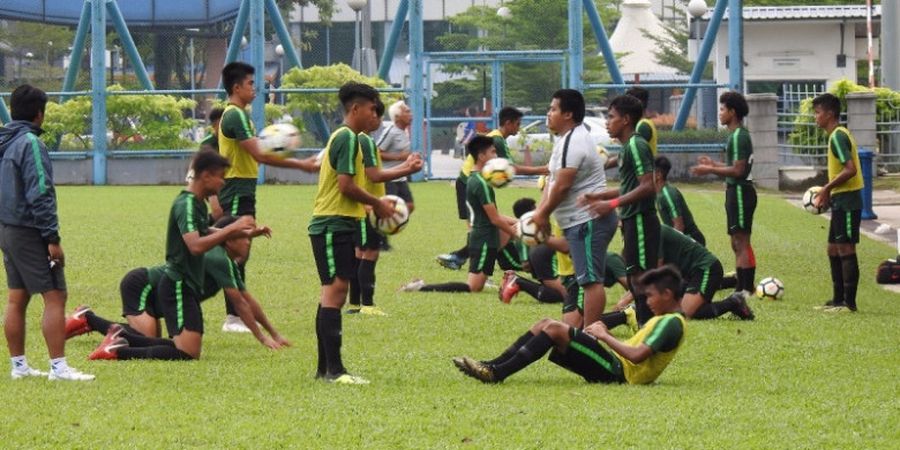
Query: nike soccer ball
[498, 171]
[808, 198]
[395, 223]
[770, 288]
[530, 234]
[279, 139]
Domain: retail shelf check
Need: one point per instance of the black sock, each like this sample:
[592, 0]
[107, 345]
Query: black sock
[462, 253]
[330, 320]
[837, 279]
[366, 276]
[166, 352]
[322, 366]
[508, 353]
[746, 279]
[98, 323]
[850, 271]
[530, 287]
[641, 310]
[446, 287]
[533, 350]
[729, 282]
[614, 319]
[710, 310]
[139, 340]
[549, 295]
[355, 290]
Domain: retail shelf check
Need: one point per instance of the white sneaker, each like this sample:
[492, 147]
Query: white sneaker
[18, 374]
[234, 324]
[489, 284]
[69, 374]
[413, 285]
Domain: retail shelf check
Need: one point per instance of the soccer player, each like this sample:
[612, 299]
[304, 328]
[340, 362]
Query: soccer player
[510, 120]
[29, 237]
[575, 170]
[139, 337]
[211, 141]
[635, 198]
[645, 127]
[740, 195]
[339, 206]
[843, 194]
[239, 145]
[367, 239]
[673, 210]
[639, 360]
[490, 229]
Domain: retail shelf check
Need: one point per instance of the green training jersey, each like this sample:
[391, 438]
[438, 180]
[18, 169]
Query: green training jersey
[220, 272]
[333, 211]
[211, 140]
[683, 252]
[154, 274]
[187, 215]
[671, 205]
[615, 269]
[739, 148]
[371, 158]
[478, 194]
[842, 148]
[635, 161]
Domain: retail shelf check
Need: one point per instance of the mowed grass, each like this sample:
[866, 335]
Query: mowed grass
[794, 378]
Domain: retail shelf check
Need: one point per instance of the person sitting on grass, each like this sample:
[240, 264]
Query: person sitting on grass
[490, 229]
[593, 353]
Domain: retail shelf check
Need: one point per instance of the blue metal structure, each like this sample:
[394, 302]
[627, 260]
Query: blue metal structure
[98, 89]
[736, 45]
[396, 27]
[603, 42]
[139, 13]
[416, 93]
[708, 40]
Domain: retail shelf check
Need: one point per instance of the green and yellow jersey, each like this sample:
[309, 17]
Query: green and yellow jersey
[664, 335]
[478, 194]
[564, 266]
[240, 178]
[212, 140]
[647, 130]
[842, 148]
[188, 214]
[635, 161]
[332, 210]
[371, 158]
[739, 148]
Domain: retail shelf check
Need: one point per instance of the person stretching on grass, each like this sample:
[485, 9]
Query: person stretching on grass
[593, 353]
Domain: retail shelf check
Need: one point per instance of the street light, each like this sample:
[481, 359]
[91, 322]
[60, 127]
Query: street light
[193, 70]
[279, 50]
[504, 12]
[357, 6]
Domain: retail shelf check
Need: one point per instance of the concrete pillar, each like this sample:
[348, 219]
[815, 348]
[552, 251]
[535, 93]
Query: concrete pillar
[763, 125]
[861, 119]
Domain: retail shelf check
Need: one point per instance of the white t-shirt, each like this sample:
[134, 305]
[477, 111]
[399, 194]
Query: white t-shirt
[576, 149]
[393, 140]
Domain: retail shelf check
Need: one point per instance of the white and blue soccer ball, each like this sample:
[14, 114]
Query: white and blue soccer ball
[770, 288]
[530, 234]
[808, 197]
[394, 224]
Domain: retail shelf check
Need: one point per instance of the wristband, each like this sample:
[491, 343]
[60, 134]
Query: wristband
[614, 202]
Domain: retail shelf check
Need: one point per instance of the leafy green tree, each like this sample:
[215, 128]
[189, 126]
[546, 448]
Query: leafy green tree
[333, 76]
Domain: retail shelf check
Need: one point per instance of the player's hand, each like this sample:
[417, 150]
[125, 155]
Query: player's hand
[600, 208]
[383, 209]
[701, 170]
[704, 160]
[261, 231]
[586, 199]
[539, 219]
[415, 162]
[270, 343]
[622, 304]
[245, 222]
[55, 255]
[281, 340]
[217, 211]
[597, 329]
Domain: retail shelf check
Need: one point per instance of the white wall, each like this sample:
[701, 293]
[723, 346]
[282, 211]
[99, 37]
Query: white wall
[433, 10]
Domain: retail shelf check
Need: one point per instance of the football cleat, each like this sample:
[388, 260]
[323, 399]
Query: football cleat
[631, 318]
[234, 324]
[829, 304]
[111, 343]
[741, 309]
[413, 285]
[69, 374]
[450, 261]
[372, 311]
[345, 378]
[76, 324]
[353, 309]
[479, 370]
[838, 309]
[508, 288]
[26, 372]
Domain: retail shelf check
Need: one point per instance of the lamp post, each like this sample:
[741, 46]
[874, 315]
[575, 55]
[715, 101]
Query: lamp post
[696, 10]
[193, 74]
[357, 6]
[279, 50]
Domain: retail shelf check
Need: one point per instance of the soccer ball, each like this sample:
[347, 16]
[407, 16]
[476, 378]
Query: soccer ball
[530, 234]
[279, 139]
[498, 171]
[770, 288]
[395, 223]
[808, 198]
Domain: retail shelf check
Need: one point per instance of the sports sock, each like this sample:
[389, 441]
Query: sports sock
[710, 310]
[463, 253]
[746, 278]
[366, 279]
[330, 320]
[58, 365]
[164, 352]
[139, 340]
[446, 287]
[355, 290]
[19, 362]
[530, 287]
[540, 292]
[614, 319]
[322, 366]
[850, 272]
[509, 352]
[533, 350]
[729, 282]
[102, 325]
[642, 311]
[837, 279]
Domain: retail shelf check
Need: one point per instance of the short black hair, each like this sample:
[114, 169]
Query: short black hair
[829, 102]
[478, 145]
[523, 205]
[234, 73]
[208, 160]
[736, 102]
[26, 102]
[627, 105]
[663, 166]
[571, 101]
[353, 92]
[215, 115]
[662, 278]
[508, 114]
[639, 93]
[379, 107]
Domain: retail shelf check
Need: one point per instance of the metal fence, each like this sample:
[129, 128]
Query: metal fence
[887, 126]
[800, 141]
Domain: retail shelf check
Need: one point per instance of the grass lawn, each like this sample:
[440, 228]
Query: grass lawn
[794, 378]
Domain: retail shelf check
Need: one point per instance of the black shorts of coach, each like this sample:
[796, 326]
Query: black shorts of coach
[462, 209]
[400, 189]
[335, 256]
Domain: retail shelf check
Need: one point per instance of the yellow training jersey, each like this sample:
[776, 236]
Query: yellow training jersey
[341, 156]
[564, 265]
[842, 148]
[656, 331]
[647, 130]
[234, 128]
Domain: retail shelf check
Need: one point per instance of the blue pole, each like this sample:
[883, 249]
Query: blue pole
[84, 24]
[257, 56]
[128, 44]
[416, 92]
[705, 49]
[603, 42]
[281, 30]
[496, 91]
[387, 56]
[234, 45]
[736, 45]
[98, 89]
[867, 161]
[576, 46]
[4, 113]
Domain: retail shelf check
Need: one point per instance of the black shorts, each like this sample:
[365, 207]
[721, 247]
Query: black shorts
[367, 237]
[641, 236]
[844, 228]
[180, 306]
[461, 208]
[238, 197]
[542, 260]
[574, 300]
[482, 259]
[138, 295]
[509, 257]
[27, 261]
[587, 358]
[740, 204]
[704, 282]
[400, 189]
[335, 256]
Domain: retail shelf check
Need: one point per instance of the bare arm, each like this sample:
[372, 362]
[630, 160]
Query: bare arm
[251, 146]
[246, 313]
[395, 156]
[356, 193]
[846, 173]
[500, 221]
[263, 320]
[199, 245]
[643, 190]
[564, 180]
[411, 165]
[635, 354]
[531, 170]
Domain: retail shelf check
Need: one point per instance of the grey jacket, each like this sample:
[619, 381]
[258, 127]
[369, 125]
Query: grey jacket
[27, 195]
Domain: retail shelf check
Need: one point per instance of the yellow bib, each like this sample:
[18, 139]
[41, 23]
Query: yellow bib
[564, 266]
[649, 369]
[330, 201]
[855, 182]
[654, 136]
[242, 163]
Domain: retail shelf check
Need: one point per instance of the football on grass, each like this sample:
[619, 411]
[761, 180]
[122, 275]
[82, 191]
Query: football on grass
[770, 288]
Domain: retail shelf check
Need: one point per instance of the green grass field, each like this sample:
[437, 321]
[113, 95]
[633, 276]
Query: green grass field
[794, 378]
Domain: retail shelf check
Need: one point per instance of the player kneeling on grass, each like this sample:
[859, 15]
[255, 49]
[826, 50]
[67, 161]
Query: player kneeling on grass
[639, 360]
[139, 338]
[490, 230]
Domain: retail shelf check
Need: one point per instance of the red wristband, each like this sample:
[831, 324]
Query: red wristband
[614, 202]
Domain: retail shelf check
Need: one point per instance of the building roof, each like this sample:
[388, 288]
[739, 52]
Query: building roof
[630, 39]
[818, 12]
